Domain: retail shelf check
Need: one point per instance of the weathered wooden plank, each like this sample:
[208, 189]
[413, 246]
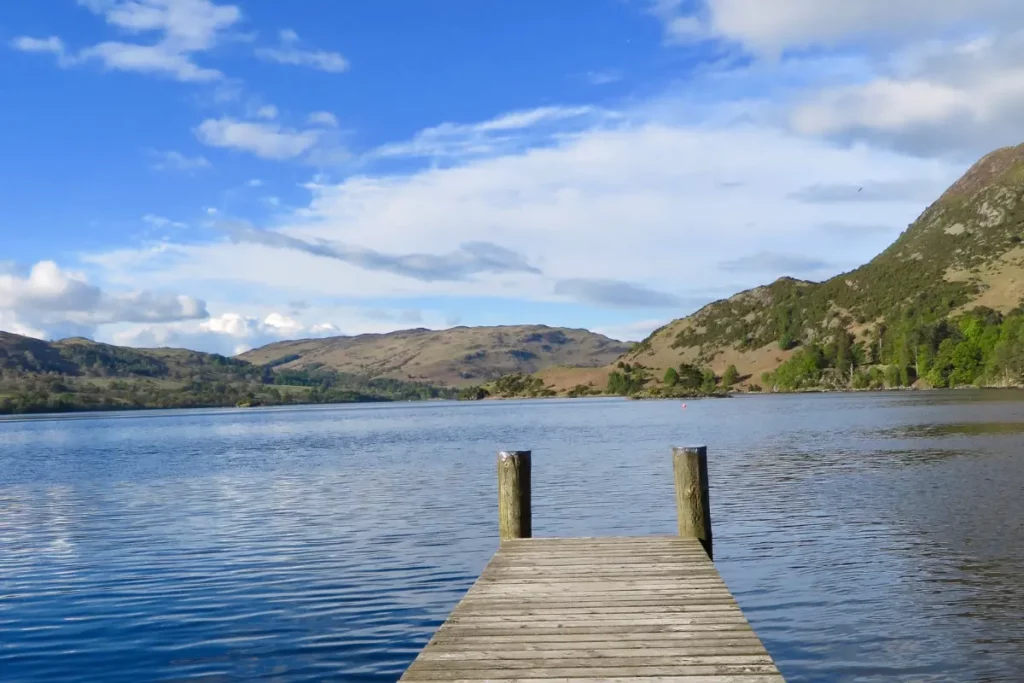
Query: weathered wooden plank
[471, 643]
[431, 653]
[553, 641]
[589, 655]
[682, 599]
[576, 572]
[639, 671]
[527, 571]
[739, 678]
[511, 609]
[606, 663]
[616, 610]
[597, 629]
[588, 588]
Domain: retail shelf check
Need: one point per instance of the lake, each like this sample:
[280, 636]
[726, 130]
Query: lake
[868, 537]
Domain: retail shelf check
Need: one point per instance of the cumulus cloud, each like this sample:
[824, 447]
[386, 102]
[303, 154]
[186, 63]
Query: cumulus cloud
[48, 298]
[228, 333]
[793, 24]
[940, 97]
[645, 202]
[927, 78]
[182, 28]
[679, 25]
[288, 52]
[266, 140]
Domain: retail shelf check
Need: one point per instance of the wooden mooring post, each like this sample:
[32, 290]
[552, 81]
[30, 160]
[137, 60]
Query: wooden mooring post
[648, 609]
[693, 503]
[515, 519]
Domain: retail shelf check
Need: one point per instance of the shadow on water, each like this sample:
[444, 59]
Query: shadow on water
[872, 537]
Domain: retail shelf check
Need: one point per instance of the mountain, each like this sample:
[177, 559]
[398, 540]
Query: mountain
[460, 356]
[80, 374]
[964, 253]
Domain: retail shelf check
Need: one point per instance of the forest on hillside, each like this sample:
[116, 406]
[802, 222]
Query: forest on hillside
[979, 348]
[112, 386]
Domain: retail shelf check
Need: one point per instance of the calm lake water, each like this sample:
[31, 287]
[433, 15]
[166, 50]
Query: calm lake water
[867, 537]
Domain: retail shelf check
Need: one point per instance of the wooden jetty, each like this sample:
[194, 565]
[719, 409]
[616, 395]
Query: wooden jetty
[576, 610]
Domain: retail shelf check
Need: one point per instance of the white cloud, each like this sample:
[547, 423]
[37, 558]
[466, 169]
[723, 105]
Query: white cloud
[782, 24]
[322, 118]
[228, 333]
[633, 331]
[52, 44]
[26, 44]
[504, 133]
[187, 24]
[603, 77]
[150, 59]
[182, 28]
[255, 182]
[176, 161]
[679, 26]
[49, 301]
[267, 111]
[938, 97]
[9, 323]
[332, 62]
[773, 27]
[629, 201]
[289, 52]
[161, 222]
[267, 140]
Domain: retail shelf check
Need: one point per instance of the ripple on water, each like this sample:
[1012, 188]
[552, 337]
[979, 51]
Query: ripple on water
[867, 537]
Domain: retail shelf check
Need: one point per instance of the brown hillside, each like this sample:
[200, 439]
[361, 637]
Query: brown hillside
[459, 356]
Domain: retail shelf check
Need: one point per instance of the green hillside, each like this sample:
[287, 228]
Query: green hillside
[939, 307]
[79, 374]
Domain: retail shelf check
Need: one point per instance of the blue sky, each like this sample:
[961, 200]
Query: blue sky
[219, 175]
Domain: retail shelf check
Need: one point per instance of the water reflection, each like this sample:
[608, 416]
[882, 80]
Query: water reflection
[868, 537]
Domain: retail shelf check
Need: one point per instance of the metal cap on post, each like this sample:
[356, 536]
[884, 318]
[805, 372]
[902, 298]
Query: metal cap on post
[514, 515]
[693, 504]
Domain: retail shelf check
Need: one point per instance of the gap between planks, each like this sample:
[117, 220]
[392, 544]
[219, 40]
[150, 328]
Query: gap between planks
[619, 610]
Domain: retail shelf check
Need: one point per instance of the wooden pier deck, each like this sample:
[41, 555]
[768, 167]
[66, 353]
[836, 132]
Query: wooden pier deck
[578, 610]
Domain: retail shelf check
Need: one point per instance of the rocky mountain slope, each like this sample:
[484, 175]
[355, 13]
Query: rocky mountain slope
[460, 356]
[964, 251]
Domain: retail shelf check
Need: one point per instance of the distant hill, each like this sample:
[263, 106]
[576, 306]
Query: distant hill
[79, 374]
[460, 356]
[952, 283]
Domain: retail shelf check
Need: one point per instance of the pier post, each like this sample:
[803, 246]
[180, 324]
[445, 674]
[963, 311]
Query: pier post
[514, 516]
[693, 505]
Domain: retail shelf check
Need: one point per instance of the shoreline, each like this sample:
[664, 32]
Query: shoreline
[4, 417]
